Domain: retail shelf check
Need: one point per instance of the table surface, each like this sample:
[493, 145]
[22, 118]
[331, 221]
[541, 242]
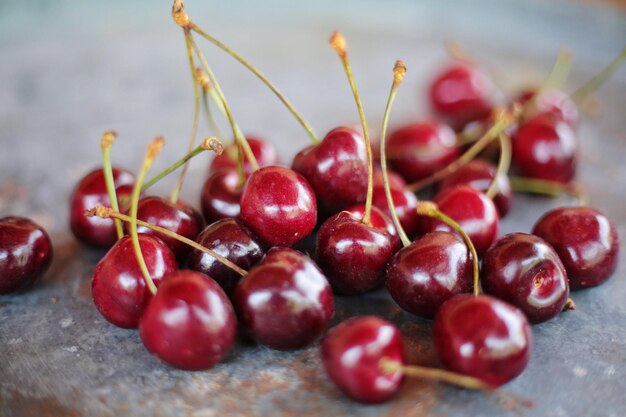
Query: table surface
[71, 71]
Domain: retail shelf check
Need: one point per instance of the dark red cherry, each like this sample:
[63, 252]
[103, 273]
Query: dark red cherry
[264, 152]
[461, 93]
[190, 323]
[419, 149]
[483, 337]
[177, 217]
[279, 205]
[550, 100]
[284, 302]
[479, 174]
[91, 192]
[234, 241]
[379, 220]
[221, 196]
[423, 275]
[525, 271]
[472, 210]
[546, 148]
[336, 168]
[25, 253]
[405, 203]
[118, 287]
[352, 352]
[586, 241]
[353, 255]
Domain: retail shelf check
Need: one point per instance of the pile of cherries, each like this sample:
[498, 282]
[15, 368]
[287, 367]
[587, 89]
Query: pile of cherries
[188, 288]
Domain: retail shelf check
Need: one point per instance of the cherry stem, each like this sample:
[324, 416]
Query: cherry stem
[307, 127]
[399, 70]
[569, 304]
[105, 212]
[560, 70]
[503, 120]
[504, 163]
[338, 42]
[206, 87]
[456, 50]
[430, 209]
[105, 143]
[550, 188]
[464, 381]
[596, 82]
[153, 150]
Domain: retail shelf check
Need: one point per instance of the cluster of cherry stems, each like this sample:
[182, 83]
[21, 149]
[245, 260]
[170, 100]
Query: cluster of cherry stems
[242, 268]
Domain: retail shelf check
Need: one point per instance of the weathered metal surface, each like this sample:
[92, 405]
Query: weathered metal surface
[71, 71]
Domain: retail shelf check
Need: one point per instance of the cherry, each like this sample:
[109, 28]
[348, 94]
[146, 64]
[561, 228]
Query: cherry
[352, 352]
[419, 149]
[405, 203]
[118, 287]
[279, 205]
[25, 253]
[552, 101]
[472, 210]
[378, 219]
[461, 93]
[178, 217]
[190, 323]
[483, 337]
[336, 169]
[234, 241]
[221, 196]
[525, 271]
[423, 275]
[545, 147]
[479, 174]
[284, 302]
[90, 192]
[264, 152]
[395, 179]
[586, 241]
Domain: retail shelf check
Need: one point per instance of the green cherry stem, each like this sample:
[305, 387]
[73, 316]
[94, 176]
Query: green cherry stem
[399, 70]
[560, 70]
[593, 84]
[550, 188]
[338, 42]
[504, 163]
[430, 209]
[205, 84]
[105, 143]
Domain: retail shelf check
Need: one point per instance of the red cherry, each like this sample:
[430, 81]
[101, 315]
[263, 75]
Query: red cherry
[284, 302]
[90, 192]
[352, 352]
[550, 100]
[221, 196]
[189, 324]
[525, 271]
[279, 205]
[419, 149]
[483, 337]
[395, 179]
[423, 275]
[460, 94]
[25, 253]
[336, 169]
[405, 203]
[546, 148]
[264, 152]
[118, 287]
[586, 241]
[379, 221]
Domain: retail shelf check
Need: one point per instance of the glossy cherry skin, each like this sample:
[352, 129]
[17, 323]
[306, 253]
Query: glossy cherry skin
[336, 168]
[550, 100]
[284, 302]
[479, 174]
[353, 255]
[221, 196]
[90, 192]
[263, 151]
[118, 287]
[472, 210]
[461, 93]
[405, 203]
[379, 220]
[235, 242]
[525, 271]
[419, 149]
[279, 205]
[177, 217]
[352, 352]
[586, 241]
[546, 148]
[483, 337]
[25, 253]
[190, 324]
[423, 275]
